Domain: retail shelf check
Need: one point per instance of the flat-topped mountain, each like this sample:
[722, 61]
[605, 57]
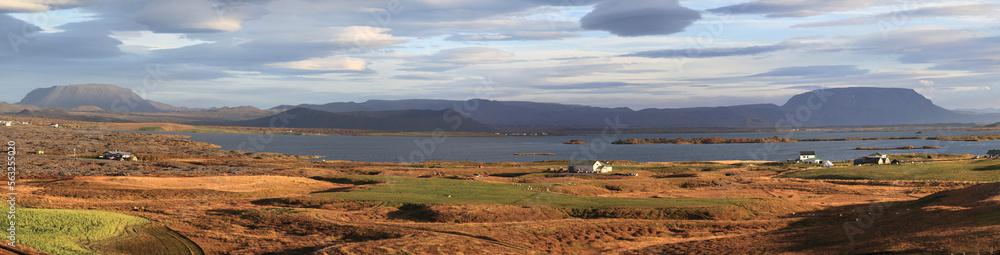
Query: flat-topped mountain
[105, 96]
[871, 106]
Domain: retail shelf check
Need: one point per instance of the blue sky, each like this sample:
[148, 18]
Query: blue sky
[613, 53]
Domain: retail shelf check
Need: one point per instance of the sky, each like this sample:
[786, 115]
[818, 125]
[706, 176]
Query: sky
[608, 53]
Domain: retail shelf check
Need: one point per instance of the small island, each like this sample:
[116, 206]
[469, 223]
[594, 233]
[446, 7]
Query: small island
[534, 154]
[705, 140]
[897, 148]
[575, 141]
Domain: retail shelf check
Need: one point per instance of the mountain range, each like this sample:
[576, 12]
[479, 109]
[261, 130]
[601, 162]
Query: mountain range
[821, 108]
[398, 120]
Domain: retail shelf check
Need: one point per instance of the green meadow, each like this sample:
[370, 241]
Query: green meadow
[449, 191]
[70, 231]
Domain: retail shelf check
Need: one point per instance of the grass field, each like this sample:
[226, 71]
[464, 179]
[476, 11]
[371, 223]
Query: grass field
[969, 170]
[448, 191]
[70, 231]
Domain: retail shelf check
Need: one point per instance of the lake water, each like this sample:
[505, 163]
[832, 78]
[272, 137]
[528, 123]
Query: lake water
[498, 149]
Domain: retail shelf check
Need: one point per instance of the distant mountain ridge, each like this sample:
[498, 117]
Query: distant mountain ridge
[105, 96]
[402, 120]
[822, 108]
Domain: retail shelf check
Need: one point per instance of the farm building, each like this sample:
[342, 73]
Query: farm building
[588, 166]
[809, 157]
[876, 159]
[993, 154]
[119, 155]
[5, 123]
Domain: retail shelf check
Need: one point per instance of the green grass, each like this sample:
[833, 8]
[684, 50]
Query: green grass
[968, 170]
[673, 169]
[69, 231]
[151, 129]
[437, 191]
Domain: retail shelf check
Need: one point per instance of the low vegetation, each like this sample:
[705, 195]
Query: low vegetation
[445, 191]
[986, 170]
[777, 139]
[71, 231]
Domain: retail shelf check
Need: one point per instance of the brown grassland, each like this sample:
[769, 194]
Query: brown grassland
[202, 200]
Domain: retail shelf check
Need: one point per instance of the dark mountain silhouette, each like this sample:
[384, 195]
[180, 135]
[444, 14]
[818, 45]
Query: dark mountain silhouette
[821, 108]
[107, 97]
[402, 120]
[872, 106]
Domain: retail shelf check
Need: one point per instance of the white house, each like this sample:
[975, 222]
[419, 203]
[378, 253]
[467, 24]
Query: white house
[5, 123]
[806, 155]
[809, 157]
[588, 166]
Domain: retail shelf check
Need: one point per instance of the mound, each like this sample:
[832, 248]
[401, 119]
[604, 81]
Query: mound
[280, 184]
[948, 222]
[982, 194]
[11, 108]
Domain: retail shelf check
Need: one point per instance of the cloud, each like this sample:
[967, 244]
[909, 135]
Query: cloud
[450, 59]
[934, 11]
[792, 8]
[588, 85]
[832, 71]
[471, 55]
[25, 42]
[424, 77]
[195, 16]
[515, 36]
[281, 46]
[946, 49]
[327, 64]
[717, 52]
[28, 6]
[639, 17]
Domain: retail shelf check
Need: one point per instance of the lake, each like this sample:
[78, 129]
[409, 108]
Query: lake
[499, 149]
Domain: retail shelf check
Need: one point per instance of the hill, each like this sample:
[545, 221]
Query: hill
[13, 108]
[404, 120]
[171, 108]
[823, 108]
[105, 96]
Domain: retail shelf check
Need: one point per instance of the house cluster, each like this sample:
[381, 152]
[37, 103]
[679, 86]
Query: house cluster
[875, 159]
[7, 123]
[588, 166]
[118, 155]
[809, 157]
[993, 154]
